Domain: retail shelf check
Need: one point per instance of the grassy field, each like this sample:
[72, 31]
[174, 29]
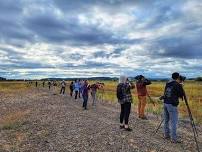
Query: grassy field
[192, 88]
[12, 86]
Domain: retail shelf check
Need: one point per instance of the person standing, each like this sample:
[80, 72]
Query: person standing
[86, 88]
[173, 91]
[54, 87]
[63, 86]
[125, 99]
[49, 85]
[36, 84]
[94, 88]
[71, 87]
[43, 84]
[142, 94]
[80, 88]
[76, 89]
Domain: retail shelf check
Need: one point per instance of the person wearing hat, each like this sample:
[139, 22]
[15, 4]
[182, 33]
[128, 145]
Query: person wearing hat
[142, 94]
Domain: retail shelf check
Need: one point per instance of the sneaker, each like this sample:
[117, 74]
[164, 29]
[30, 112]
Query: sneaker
[121, 127]
[167, 137]
[143, 118]
[128, 129]
[176, 141]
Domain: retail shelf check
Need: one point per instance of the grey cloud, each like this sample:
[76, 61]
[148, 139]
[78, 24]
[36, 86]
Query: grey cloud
[54, 30]
[115, 53]
[10, 7]
[178, 47]
[76, 56]
[42, 24]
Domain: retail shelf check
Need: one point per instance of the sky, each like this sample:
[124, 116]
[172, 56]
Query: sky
[89, 38]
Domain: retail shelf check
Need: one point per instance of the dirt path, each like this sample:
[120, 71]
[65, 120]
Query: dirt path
[38, 121]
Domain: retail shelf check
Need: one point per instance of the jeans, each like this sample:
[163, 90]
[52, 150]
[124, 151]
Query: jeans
[76, 94]
[170, 116]
[79, 93]
[125, 112]
[85, 100]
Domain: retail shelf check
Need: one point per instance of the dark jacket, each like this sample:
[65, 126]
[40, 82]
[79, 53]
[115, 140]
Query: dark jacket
[94, 87]
[71, 87]
[85, 90]
[173, 91]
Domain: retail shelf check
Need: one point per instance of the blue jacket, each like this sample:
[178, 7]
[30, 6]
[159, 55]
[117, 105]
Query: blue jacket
[76, 86]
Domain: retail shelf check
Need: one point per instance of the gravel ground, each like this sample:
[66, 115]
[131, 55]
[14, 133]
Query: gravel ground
[51, 123]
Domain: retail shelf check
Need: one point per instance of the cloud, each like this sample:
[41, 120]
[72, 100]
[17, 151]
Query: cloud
[100, 38]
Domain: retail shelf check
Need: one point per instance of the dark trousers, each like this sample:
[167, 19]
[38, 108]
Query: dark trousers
[85, 101]
[125, 112]
[62, 91]
[79, 93]
[49, 87]
[76, 94]
[71, 92]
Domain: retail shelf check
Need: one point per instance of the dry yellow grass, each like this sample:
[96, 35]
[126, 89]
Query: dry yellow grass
[7, 87]
[13, 120]
[192, 89]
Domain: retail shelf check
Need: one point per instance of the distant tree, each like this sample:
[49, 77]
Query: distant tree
[199, 79]
[2, 79]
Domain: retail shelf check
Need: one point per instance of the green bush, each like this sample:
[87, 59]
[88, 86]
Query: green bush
[199, 79]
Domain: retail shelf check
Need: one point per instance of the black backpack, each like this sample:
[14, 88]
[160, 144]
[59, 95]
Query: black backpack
[169, 90]
[119, 92]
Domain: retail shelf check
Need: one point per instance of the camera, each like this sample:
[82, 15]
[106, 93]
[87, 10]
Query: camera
[161, 97]
[139, 77]
[182, 78]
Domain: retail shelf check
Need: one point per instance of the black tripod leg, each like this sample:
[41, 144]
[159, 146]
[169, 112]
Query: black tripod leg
[194, 127]
[158, 127]
[192, 123]
[195, 138]
[192, 120]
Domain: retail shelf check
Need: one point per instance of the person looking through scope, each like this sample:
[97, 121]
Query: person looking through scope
[173, 91]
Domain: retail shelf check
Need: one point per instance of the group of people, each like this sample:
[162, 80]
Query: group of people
[78, 88]
[81, 88]
[173, 91]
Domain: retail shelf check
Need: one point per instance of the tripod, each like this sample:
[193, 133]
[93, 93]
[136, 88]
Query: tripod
[191, 122]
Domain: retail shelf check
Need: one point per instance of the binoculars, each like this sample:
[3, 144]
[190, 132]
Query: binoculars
[182, 78]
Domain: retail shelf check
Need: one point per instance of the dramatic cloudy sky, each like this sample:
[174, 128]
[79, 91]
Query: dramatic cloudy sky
[83, 38]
